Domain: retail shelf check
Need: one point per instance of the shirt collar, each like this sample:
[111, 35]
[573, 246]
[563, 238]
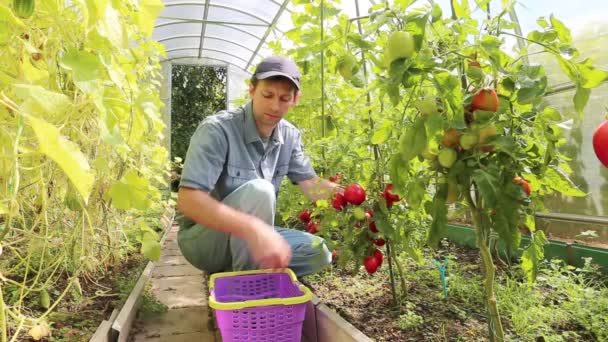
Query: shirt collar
[251, 131]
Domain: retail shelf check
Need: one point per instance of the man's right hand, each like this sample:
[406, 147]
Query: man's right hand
[267, 247]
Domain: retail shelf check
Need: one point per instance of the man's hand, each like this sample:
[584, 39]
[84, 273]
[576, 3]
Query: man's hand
[267, 247]
[319, 188]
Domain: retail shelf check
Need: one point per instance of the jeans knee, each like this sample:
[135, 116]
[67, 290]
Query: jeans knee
[259, 190]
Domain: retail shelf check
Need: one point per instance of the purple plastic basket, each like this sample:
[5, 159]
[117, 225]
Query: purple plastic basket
[272, 323]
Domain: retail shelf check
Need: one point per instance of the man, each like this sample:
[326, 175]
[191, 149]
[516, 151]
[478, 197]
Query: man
[233, 169]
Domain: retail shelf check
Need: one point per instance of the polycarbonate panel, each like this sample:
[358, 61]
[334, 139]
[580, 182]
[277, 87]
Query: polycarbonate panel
[176, 29]
[188, 11]
[593, 45]
[578, 16]
[216, 44]
[237, 61]
[175, 43]
[219, 13]
[588, 173]
[233, 33]
[264, 9]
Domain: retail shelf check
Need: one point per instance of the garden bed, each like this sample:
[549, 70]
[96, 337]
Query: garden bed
[77, 320]
[565, 304]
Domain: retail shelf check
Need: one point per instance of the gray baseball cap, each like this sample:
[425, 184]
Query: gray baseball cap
[278, 66]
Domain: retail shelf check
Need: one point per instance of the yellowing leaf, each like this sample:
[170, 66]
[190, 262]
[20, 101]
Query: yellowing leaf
[7, 16]
[39, 331]
[148, 11]
[38, 100]
[97, 11]
[111, 28]
[66, 154]
[33, 74]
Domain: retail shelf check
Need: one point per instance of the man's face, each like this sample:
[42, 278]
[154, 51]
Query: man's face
[272, 99]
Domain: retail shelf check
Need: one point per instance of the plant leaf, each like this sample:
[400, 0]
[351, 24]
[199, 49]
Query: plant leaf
[150, 246]
[533, 254]
[487, 184]
[66, 154]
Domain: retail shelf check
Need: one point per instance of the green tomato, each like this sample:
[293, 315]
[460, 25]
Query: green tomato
[400, 45]
[468, 140]
[347, 66]
[447, 157]
[427, 106]
[359, 213]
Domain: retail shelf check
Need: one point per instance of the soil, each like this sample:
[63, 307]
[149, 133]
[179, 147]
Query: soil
[366, 302]
[77, 318]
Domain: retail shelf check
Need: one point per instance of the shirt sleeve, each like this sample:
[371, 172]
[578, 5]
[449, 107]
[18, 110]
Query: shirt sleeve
[205, 157]
[300, 168]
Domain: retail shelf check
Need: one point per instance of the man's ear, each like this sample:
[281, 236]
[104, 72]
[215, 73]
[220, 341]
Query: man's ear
[251, 89]
[296, 99]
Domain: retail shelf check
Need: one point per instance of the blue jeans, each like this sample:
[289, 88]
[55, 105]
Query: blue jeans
[213, 251]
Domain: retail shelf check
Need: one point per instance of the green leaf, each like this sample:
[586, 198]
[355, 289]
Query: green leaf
[130, 192]
[505, 144]
[359, 41]
[416, 25]
[436, 12]
[415, 193]
[563, 33]
[86, 67]
[413, 141]
[591, 77]
[581, 97]
[434, 124]
[550, 114]
[439, 212]
[403, 4]
[150, 246]
[45, 299]
[382, 132]
[560, 182]
[568, 68]
[461, 10]
[487, 184]
[66, 154]
[506, 217]
[533, 255]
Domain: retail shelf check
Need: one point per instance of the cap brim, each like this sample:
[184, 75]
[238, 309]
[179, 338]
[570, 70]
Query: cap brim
[267, 74]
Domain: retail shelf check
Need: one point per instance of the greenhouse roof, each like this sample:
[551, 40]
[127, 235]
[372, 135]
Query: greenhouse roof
[224, 32]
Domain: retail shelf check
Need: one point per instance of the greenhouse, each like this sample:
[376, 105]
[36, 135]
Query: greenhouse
[320, 170]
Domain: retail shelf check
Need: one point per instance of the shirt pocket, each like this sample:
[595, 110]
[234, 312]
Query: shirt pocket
[238, 176]
[279, 172]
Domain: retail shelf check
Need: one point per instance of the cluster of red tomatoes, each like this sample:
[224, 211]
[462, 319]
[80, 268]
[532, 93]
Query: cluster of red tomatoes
[355, 195]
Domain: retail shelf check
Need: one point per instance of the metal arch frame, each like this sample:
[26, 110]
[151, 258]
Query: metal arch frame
[270, 28]
[208, 37]
[207, 4]
[206, 49]
[203, 28]
[170, 60]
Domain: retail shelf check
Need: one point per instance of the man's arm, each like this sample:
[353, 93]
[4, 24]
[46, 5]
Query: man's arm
[267, 247]
[318, 188]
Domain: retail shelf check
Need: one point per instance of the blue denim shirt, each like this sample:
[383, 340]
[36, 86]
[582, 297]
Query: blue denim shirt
[226, 151]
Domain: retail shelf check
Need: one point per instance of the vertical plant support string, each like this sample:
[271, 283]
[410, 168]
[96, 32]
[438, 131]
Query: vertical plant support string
[323, 80]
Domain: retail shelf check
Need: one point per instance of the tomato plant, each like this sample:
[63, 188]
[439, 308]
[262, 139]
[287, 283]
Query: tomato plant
[463, 119]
